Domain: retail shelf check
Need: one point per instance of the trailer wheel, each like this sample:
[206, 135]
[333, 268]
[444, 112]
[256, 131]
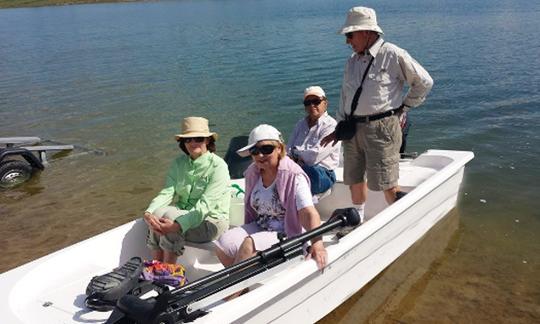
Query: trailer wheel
[13, 173]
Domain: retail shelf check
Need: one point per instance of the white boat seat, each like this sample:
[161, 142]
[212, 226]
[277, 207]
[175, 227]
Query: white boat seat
[318, 197]
[208, 246]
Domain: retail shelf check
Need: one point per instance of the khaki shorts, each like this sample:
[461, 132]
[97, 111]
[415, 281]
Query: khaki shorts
[209, 230]
[372, 155]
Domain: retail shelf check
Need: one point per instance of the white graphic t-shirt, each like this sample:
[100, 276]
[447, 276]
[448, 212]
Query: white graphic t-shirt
[269, 209]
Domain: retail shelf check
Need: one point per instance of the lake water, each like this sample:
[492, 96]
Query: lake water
[116, 79]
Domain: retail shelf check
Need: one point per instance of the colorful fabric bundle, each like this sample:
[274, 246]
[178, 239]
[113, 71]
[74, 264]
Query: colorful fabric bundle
[165, 273]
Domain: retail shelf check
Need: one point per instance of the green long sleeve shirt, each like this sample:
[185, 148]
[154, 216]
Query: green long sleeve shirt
[201, 186]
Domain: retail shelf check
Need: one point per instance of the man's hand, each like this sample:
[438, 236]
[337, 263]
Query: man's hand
[329, 138]
[295, 156]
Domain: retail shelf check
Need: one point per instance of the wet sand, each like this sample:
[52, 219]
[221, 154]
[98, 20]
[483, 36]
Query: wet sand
[43, 3]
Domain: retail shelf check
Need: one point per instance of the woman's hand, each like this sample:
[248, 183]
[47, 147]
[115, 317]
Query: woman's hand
[169, 226]
[161, 225]
[310, 219]
[318, 253]
[153, 222]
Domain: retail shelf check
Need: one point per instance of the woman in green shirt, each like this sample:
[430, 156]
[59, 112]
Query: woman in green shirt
[199, 181]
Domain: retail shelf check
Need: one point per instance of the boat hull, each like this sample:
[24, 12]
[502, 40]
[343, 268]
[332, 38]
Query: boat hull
[363, 254]
[295, 291]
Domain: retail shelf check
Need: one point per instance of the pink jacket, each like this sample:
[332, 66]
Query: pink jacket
[285, 185]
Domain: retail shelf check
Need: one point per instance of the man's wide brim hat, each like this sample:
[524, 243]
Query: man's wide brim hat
[360, 18]
[195, 127]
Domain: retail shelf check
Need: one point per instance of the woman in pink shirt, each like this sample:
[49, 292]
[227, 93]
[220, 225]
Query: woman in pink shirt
[277, 200]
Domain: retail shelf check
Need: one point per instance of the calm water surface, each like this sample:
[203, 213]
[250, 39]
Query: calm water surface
[116, 79]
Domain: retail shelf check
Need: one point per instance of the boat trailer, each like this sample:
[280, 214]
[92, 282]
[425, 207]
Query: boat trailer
[20, 158]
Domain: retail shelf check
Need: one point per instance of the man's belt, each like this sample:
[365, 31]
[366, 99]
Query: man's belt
[368, 118]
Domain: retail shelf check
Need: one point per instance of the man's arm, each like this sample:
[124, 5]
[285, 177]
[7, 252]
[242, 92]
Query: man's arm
[318, 152]
[418, 79]
[292, 140]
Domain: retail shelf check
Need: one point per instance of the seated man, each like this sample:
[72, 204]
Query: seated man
[304, 146]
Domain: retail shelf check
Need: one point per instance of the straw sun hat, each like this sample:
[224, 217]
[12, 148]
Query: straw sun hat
[360, 18]
[195, 127]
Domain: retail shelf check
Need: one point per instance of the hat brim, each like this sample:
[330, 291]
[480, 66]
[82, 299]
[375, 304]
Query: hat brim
[353, 28]
[318, 95]
[196, 134]
[244, 151]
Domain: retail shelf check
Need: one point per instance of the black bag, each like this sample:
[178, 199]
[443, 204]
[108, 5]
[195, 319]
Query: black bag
[345, 129]
[104, 291]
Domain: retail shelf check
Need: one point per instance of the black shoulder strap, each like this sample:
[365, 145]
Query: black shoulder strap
[359, 90]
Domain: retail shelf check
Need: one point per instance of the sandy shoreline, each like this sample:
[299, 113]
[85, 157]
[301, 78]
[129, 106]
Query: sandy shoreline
[5, 4]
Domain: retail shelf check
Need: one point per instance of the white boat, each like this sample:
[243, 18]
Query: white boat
[52, 289]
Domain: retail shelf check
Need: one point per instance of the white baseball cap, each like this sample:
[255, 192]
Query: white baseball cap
[314, 91]
[262, 132]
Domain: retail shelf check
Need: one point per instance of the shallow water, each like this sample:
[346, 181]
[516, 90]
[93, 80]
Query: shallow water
[116, 79]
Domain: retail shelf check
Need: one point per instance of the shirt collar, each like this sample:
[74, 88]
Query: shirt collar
[201, 160]
[374, 49]
[319, 121]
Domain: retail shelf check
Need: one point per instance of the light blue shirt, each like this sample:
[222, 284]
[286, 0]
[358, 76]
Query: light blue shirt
[306, 143]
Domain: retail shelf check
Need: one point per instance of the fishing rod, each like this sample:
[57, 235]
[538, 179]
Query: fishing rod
[177, 305]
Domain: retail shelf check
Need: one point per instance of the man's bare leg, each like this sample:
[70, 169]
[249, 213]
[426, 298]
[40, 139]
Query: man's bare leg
[359, 193]
[358, 197]
[390, 194]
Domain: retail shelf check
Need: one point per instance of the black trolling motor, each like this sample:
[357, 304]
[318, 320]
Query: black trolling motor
[175, 306]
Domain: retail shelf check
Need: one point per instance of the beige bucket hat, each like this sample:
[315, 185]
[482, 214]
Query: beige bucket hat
[360, 18]
[195, 127]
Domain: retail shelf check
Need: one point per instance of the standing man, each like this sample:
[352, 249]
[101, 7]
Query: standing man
[371, 156]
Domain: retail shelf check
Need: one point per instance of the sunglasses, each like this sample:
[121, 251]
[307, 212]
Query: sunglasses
[193, 139]
[264, 149]
[349, 35]
[309, 102]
